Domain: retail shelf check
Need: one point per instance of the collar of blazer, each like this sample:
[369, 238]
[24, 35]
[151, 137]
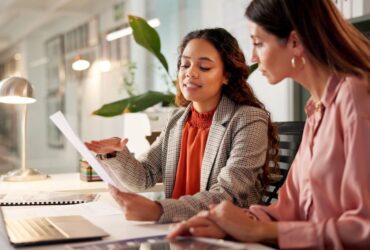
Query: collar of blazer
[223, 113]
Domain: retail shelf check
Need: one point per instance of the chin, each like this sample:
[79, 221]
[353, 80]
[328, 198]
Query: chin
[273, 81]
[188, 98]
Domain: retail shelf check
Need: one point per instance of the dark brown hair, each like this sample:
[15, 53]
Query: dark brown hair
[237, 72]
[330, 39]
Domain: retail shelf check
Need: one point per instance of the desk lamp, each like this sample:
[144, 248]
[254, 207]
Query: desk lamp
[17, 90]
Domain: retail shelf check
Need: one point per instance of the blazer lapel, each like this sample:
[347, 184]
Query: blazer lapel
[216, 133]
[173, 153]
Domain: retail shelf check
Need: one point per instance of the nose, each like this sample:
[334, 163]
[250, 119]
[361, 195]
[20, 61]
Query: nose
[192, 72]
[254, 57]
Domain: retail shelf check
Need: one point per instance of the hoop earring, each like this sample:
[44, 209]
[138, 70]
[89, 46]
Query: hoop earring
[294, 64]
[303, 61]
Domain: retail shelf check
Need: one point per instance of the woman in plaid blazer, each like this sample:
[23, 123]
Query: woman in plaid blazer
[232, 164]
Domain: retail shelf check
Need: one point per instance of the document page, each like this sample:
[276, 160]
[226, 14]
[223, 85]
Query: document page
[105, 174]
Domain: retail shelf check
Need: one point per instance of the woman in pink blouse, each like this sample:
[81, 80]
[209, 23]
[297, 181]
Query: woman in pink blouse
[325, 201]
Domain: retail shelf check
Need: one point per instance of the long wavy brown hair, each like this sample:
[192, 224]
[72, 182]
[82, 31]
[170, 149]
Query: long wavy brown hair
[330, 39]
[237, 89]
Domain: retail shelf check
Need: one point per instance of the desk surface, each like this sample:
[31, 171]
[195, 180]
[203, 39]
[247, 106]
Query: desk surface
[104, 213]
[61, 182]
[56, 182]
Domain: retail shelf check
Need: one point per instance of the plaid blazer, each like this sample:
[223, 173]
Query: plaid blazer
[232, 163]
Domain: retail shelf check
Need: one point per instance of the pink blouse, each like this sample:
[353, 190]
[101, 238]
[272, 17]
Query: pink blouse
[325, 201]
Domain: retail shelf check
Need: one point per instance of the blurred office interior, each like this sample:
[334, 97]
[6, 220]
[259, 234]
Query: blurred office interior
[41, 39]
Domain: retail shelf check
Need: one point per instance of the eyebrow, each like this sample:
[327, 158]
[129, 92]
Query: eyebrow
[200, 58]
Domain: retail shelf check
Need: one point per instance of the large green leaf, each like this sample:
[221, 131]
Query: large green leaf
[135, 103]
[147, 37]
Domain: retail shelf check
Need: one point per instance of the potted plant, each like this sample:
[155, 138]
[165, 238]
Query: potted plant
[147, 37]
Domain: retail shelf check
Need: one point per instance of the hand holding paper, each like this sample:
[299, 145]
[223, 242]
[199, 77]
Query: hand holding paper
[108, 176]
[107, 145]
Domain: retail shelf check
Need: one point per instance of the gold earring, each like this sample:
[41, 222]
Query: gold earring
[294, 64]
[303, 61]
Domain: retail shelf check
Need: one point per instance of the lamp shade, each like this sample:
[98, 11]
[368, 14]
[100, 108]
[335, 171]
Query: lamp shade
[16, 90]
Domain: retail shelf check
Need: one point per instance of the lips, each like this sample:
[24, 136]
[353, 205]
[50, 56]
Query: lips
[191, 85]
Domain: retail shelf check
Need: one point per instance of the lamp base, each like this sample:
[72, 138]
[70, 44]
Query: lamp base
[28, 174]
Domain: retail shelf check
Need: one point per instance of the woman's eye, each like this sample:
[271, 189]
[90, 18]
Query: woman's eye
[184, 66]
[205, 68]
[257, 44]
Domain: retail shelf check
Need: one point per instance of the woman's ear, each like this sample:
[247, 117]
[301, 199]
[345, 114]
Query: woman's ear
[295, 43]
[226, 79]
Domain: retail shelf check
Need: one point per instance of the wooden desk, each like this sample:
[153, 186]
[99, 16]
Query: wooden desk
[104, 213]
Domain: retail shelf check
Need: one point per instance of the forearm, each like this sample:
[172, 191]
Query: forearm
[128, 170]
[175, 210]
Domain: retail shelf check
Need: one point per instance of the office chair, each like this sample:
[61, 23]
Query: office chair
[153, 136]
[290, 135]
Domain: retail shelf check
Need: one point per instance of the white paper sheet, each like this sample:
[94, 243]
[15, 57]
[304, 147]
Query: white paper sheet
[60, 121]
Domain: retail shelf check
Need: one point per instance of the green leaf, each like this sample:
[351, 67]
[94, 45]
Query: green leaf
[253, 67]
[147, 37]
[135, 103]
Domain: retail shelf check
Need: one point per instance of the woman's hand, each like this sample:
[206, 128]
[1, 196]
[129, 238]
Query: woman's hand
[227, 219]
[107, 146]
[136, 207]
[199, 225]
[241, 225]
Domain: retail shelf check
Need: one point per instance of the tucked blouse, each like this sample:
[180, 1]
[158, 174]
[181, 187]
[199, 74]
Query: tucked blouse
[325, 201]
[193, 143]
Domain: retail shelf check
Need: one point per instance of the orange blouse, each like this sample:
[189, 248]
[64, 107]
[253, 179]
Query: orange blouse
[193, 144]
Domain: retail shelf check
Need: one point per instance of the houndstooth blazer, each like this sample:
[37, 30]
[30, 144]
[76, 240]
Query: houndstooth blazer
[232, 163]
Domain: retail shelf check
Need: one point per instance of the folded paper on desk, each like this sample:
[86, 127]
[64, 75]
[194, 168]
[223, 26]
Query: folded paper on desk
[106, 174]
[45, 198]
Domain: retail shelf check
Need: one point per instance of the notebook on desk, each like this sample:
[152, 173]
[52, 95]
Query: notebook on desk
[44, 230]
[45, 198]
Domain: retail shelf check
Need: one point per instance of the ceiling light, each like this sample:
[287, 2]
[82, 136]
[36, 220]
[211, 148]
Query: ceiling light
[105, 65]
[127, 31]
[80, 64]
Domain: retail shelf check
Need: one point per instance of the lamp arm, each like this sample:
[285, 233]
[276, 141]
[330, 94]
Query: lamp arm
[23, 137]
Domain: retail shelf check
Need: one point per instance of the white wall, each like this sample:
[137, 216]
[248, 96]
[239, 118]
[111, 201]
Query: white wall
[96, 90]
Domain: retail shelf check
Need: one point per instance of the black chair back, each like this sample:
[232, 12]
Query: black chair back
[290, 135]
